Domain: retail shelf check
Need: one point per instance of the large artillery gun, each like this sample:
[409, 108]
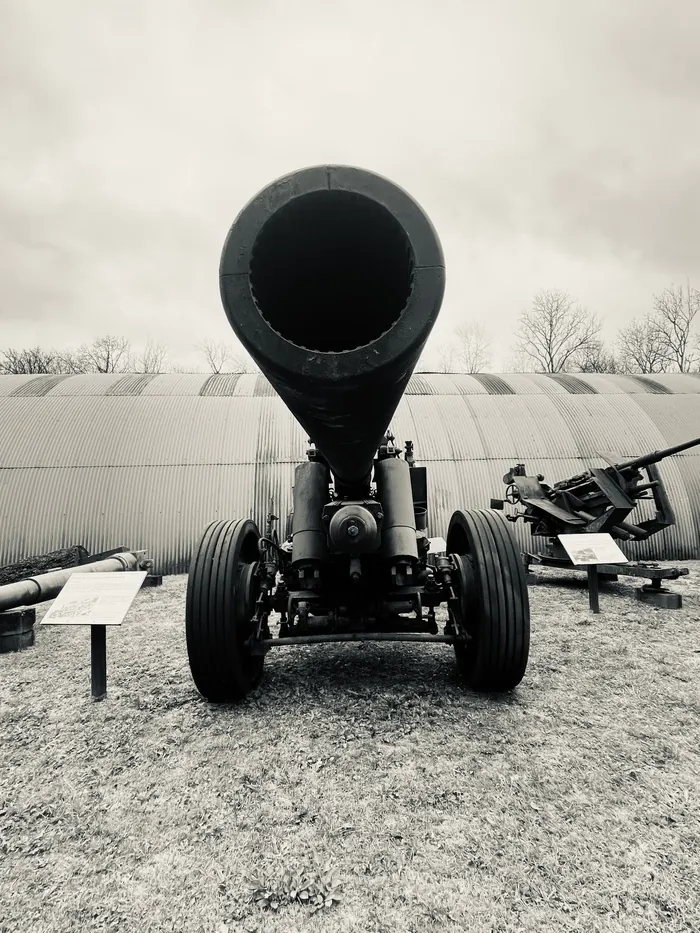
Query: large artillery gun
[332, 279]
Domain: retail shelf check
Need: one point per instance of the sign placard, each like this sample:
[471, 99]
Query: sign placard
[95, 598]
[585, 550]
[437, 546]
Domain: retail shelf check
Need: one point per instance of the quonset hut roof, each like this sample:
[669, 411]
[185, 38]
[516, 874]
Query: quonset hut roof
[147, 461]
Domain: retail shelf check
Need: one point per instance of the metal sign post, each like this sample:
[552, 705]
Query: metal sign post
[588, 551]
[97, 600]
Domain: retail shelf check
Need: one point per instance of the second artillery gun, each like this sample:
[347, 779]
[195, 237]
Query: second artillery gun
[332, 279]
[599, 500]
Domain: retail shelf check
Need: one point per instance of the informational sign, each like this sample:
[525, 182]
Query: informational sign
[95, 598]
[437, 546]
[592, 549]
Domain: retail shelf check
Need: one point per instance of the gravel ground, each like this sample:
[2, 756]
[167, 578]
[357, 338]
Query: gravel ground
[364, 774]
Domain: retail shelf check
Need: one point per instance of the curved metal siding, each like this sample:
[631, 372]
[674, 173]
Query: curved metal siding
[678, 419]
[149, 461]
[494, 385]
[609, 385]
[512, 428]
[9, 384]
[442, 432]
[39, 386]
[649, 385]
[464, 385]
[531, 384]
[122, 431]
[91, 384]
[439, 384]
[248, 383]
[176, 384]
[132, 384]
[680, 382]
[572, 384]
[220, 384]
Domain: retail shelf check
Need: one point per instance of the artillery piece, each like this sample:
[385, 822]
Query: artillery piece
[596, 501]
[332, 278]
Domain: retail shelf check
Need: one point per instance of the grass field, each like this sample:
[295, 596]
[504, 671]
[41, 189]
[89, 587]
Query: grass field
[365, 773]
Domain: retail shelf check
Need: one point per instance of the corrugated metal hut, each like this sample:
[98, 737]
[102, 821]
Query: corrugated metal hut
[148, 461]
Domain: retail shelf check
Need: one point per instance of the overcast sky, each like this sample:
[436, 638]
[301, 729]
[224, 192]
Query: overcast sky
[554, 144]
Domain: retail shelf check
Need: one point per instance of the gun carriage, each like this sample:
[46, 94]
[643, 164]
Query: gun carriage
[599, 500]
[332, 278]
[595, 501]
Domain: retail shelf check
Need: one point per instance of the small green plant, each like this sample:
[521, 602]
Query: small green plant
[315, 888]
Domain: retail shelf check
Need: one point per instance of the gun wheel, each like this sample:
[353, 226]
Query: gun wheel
[494, 609]
[222, 589]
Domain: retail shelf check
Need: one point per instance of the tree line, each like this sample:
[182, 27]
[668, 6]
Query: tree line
[110, 354]
[554, 335]
[557, 335]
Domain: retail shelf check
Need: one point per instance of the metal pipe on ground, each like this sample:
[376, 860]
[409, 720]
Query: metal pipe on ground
[48, 585]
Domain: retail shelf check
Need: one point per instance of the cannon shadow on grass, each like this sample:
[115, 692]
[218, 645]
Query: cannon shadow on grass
[326, 676]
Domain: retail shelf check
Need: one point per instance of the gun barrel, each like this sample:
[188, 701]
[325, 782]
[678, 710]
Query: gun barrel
[332, 278]
[658, 455]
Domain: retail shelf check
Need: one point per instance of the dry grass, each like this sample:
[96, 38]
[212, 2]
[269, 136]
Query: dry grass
[571, 805]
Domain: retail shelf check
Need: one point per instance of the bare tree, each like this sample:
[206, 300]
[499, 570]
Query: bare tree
[519, 362]
[447, 358]
[642, 348]
[555, 334]
[217, 354]
[153, 359]
[29, 361]
[242, 363]
[180, 368]
[596, 359]
[473, 347]
[468, 352]
[107, 354]
[74, 362]
[676, 310]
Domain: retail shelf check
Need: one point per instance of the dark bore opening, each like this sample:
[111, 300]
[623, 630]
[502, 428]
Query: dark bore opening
[331, 271]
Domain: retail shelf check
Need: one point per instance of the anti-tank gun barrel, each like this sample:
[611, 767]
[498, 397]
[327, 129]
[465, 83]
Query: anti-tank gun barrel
[628, 467]
[597, 500]
[641, 463]
[332, 278]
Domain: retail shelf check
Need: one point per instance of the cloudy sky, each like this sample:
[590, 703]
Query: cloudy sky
[554, 144]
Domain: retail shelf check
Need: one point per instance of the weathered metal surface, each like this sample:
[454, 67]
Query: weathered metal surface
[10, 383]
[48, 585]
[17, 629]
[89, 384]
[332, 278]
[41, 563]
[180, 384]
[493, 384]
[38, 386]
[573, 384]
[131, 384]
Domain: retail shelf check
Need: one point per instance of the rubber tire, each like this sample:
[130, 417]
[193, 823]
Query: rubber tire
[497, 610]
[221, 594]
